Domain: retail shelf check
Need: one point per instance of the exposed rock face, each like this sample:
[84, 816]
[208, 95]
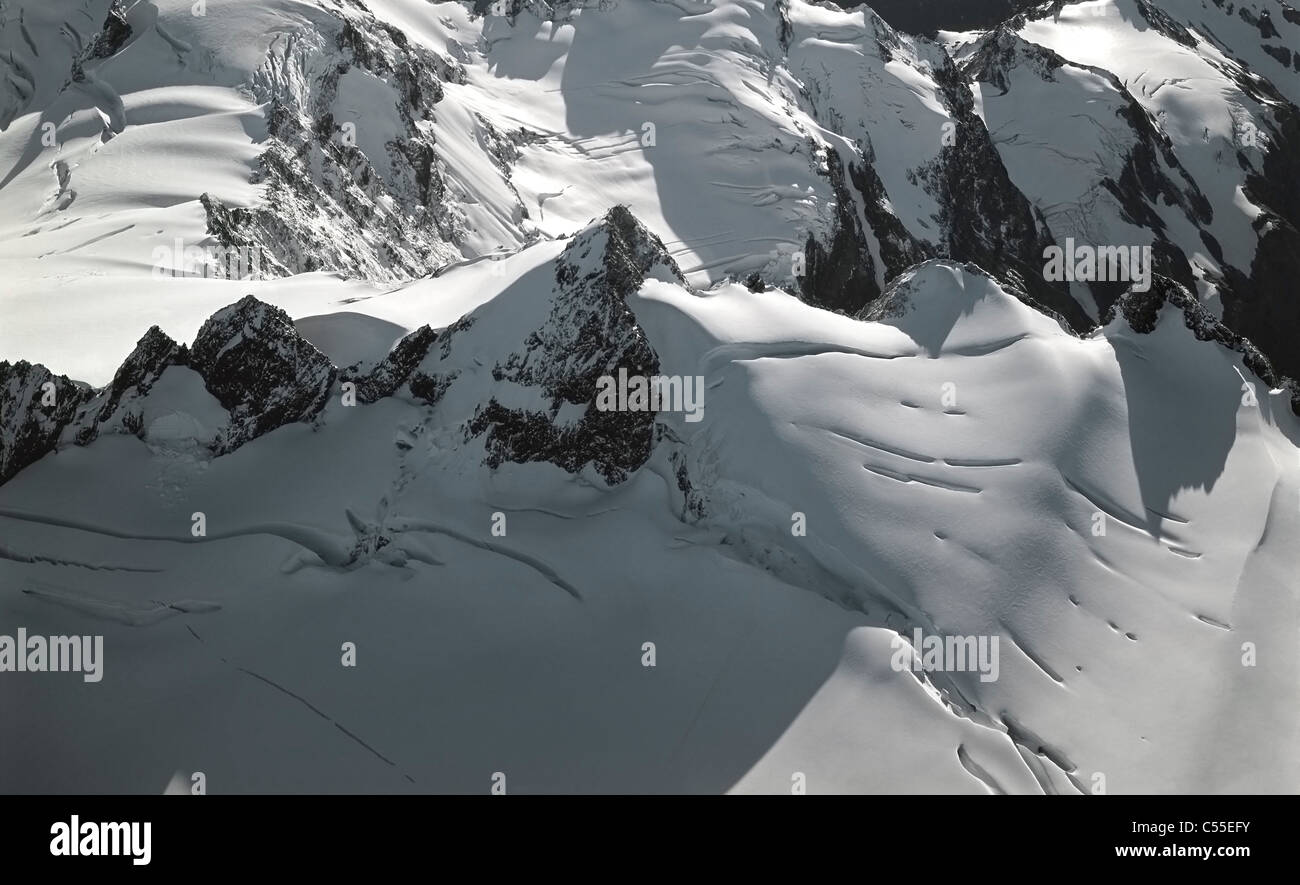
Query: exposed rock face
[591, 332]
[975, 212]
[113, 36]
[543, 9]
[1143, 174]
[984, 217]
[1141, 310]
[1165, 23]
[428, 383]
[1265, 307]
[899, 250]
[152, 355]
[255, 363]
[1259, 301]
[35, 406]
[249, 355]
[841, 274]
[1145, 180]
[396, 368]
[328, 204]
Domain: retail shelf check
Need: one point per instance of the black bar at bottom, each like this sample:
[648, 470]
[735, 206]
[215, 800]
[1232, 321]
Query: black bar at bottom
[333, 833]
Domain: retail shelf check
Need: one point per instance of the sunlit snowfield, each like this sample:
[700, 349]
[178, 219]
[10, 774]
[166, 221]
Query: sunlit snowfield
[1119, 508]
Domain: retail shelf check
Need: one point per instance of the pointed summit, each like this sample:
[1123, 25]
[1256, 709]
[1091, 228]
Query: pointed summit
[153, 353]
[614, 254]
[590, 332]
[943, 305]
[35, 406]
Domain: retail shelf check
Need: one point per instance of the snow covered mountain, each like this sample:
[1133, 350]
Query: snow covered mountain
[1174, 123]
[633, 396]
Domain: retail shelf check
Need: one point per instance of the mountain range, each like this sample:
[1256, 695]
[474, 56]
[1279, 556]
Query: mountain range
[307, 306]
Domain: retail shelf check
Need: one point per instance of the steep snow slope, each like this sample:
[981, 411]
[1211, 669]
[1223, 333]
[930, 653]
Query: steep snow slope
[1084, 151]
[1205, 83]
[1263, 35]
[1189, 93]
[950, 458]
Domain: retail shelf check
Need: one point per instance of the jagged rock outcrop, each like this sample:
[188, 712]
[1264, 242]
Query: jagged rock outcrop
[113, 35]
[255, 363]
[340, 195]
[153, 354]
[591, 332]
[430, 384]
[396, 368]
[1141, 311]
[249, 356]
[543, 9]
[35, 406]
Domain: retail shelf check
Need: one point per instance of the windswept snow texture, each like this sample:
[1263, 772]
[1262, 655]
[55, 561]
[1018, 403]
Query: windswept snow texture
[358, 521]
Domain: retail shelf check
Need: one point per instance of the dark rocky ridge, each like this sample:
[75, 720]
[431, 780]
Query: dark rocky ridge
[1141, 310]
[35, 407]
[396, 368]
[153, 354]
[841, 275]
[255, 363]
[985, 218]
[1265, 307]
[249, 355]
[252, 359]
[113, 35]
[430, 385]
[590, 332]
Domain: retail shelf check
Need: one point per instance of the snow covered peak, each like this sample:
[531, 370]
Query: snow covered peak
[549, 351]
[946, 306]
[615, 254]
[1207, 166]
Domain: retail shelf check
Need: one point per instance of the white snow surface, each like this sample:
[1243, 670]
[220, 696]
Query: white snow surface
[951, 462]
